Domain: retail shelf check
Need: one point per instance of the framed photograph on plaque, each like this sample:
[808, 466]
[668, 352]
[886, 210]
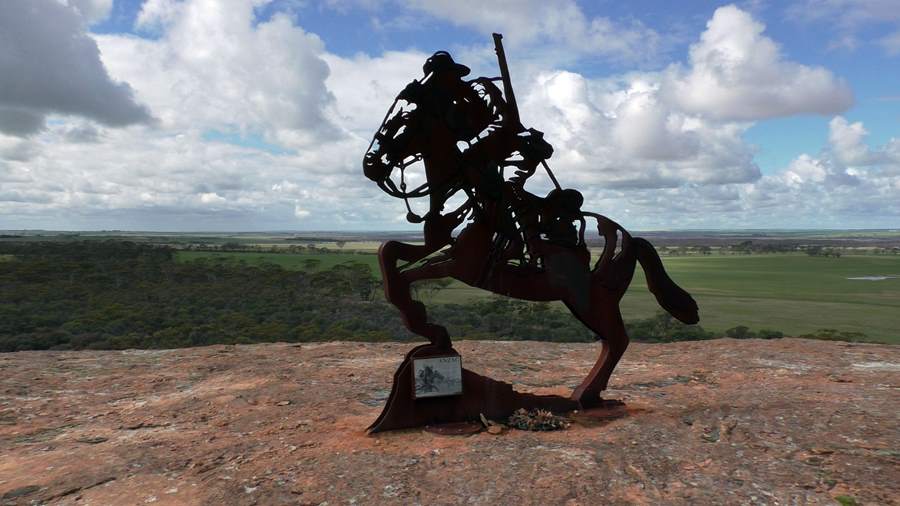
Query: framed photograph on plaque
[437, 376]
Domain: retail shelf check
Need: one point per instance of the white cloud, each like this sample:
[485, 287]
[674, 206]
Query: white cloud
[561, 22]
[891, 43]
[92, 11]
[846, 141]
[805, 169]
[813, 191]
[84, 132]
[17, 149]
[683, 125]
[49, 65]
[830, 188]
[211, 198]
[156, 14]
[558, 30]
[847, 19]
[847, 13]
[365, 86]
[849, 148]
[738, 73]
[214, 68]
[645, 128]
[620, 133]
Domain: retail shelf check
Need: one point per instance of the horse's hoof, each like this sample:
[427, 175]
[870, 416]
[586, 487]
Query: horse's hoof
[599, 402]
[587, 400]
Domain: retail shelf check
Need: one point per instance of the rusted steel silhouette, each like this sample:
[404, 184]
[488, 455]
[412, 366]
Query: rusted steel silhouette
[468, 136]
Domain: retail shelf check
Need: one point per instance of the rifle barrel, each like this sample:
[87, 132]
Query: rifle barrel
[511, 97]
[507, 82]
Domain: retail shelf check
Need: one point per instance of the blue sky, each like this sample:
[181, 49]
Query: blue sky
[254, 114]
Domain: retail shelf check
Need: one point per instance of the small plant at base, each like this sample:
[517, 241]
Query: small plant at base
[537, 419]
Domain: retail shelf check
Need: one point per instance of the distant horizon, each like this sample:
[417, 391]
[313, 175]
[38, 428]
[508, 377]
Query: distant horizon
[413, 230]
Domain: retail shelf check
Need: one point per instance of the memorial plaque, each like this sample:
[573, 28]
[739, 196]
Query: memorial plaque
[437, 376]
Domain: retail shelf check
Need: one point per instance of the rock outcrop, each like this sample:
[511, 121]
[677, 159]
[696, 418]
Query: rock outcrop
[787, 421]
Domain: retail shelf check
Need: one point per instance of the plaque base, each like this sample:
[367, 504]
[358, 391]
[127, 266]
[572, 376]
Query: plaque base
[480, 395]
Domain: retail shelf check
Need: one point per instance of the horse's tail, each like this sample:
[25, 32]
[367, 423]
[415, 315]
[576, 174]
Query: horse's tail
[670, 296]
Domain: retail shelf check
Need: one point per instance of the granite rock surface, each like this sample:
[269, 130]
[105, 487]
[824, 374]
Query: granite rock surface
[787, 421]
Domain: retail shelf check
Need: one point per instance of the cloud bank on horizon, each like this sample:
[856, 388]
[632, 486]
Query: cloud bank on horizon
[254, 114]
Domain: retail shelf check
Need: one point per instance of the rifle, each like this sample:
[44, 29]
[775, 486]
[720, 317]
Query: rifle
[507, 82]
[513, 108]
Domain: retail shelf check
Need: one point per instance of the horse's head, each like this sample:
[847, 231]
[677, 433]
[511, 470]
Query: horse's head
[412, 131]
[394, 144]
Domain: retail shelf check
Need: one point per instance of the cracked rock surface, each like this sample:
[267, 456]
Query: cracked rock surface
[788, 421]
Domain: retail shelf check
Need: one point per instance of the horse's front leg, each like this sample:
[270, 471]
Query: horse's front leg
[414, 314]
[397, 286]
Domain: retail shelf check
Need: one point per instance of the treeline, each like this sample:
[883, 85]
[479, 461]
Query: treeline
[750, 247]
[676, 251]
[819, 251]
[234, 246]
[118, 294]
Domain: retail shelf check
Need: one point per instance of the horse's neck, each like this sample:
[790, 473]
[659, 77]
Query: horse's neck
[438, 145]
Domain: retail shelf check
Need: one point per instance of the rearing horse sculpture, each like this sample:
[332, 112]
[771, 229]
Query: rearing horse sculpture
[514, 244]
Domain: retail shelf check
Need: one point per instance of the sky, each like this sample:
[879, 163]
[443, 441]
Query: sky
[254, 115]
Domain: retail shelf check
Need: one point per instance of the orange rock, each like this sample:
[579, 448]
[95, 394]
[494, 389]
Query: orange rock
[197, 437]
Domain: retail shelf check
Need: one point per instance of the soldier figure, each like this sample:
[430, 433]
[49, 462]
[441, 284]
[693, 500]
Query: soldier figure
[474, 116]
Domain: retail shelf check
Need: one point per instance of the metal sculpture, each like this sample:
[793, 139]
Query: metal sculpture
[467, 133]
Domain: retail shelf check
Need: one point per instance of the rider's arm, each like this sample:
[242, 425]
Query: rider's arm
[492, 99]
[499, 137]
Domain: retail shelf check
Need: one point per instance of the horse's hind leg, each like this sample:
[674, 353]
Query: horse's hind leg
[606, 321]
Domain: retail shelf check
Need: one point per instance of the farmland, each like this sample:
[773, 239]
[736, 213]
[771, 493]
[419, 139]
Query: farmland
[799, 283]
[793, 293]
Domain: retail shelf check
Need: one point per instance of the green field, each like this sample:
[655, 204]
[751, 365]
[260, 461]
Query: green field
[792, 293]
[795, 294]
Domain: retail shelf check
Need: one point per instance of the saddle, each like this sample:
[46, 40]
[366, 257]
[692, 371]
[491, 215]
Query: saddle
[530, 225]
